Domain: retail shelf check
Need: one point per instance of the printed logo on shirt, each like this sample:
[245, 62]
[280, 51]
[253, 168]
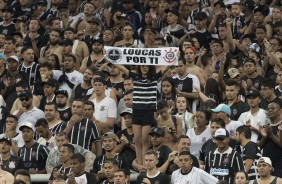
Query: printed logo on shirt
[82, 128]
[235, 111]
[204, 139]
[12, 165]
[73, 79]
[219, 172]
[226, 160]
[102, 108]
[180, 86]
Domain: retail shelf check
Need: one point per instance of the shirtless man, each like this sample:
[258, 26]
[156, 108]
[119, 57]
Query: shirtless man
[172, 125]
[5, 177]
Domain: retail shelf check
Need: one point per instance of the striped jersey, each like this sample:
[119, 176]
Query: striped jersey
[84, 133]
[59, 127]
[224, 165]
[31, 73]
[34, 157]
[144, 91]
[251, 151]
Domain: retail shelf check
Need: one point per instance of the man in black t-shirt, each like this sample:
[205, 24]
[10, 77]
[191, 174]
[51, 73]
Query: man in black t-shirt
[7, 27]
[62, 103]
[268, 94]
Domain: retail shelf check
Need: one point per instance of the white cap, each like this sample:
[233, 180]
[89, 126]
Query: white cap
[126, 111]
[27, 124]
[14, 58]
[266, 160]
[221, 133]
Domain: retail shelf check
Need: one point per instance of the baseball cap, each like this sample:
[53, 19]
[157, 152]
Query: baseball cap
[265, 160]
[70, 29]
[8, 8]
[27, 124]
[99, 40]
[263, 9]
[25, 93]
[221, 133]
[3, 56]
[222, 108]
[95, 20]
[253, 93]
[157, 131]
[173, 11]
[66, 42]
[13, 58]
[6, 139]
[62, 92]
[111, 135]
[50, 82]
[233, 72]
[100, 79]
[126, 111]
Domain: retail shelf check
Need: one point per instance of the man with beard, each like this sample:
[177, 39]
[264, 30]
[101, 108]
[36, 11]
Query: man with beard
[62, 103]
[46, 137]
[96, 58]
[28, 112]
[84, 90]
[52, 116]
[69, 77]
[52, 47]
[79, 48]
[83, 131]
[33, 154]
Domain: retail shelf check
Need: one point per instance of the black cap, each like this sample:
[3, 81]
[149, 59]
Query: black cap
[44, 2]
[8, 8]
[6, 139]
[62, 92]
[99, 40]
[66, 42]
[63, 6]
[173, 11]
[250, 60]
[200, 16]
[157, 131]
[263, 9]
[95, 20]
[70, 29]
[100, 79]
[50, 82]
[253, 93]
[25, 93]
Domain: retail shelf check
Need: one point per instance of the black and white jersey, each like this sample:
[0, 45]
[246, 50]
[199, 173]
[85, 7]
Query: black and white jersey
[63, 170]
[65, 114]
[224, 165]
[4, 112]
[159, 178]
[7, 29]
[31, 73]
[58, 127]
[84, 133]
[12, 164]
[34, 157]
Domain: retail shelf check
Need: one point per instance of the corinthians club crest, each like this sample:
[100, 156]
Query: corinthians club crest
[170, 55]
[114, 55]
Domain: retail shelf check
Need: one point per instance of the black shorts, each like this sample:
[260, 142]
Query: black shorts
[143, 117]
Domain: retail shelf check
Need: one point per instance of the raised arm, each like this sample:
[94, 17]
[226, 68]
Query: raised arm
[123, 69]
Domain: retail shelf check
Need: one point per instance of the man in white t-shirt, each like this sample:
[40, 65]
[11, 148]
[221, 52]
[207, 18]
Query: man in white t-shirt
[105, 107]
[190, 174]
[69, 77]
[223, 111]
[255, 117]
[28, 112]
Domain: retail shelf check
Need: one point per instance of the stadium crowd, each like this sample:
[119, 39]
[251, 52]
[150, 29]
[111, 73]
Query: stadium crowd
[67, 111]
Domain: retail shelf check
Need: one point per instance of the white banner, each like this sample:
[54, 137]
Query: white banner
[142, 56]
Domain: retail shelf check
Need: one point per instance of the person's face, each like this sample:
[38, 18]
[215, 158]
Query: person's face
[128, 84]
[69, 63]
[171, 18]
[231, 92]
[189, 55]
[93, 26]
[109, 144]
[7, 15]
[69, 35]
[144, 69]
[97, 48]
[4, 147]
[154, 3]
[258, 17]
[27, 134]
[181, 103]
[2, 39]
[156, 140]
[120, 178]
[50, 112]
[253, 56]
[28, 55]
[113, 70]
[48, 90]
[150, 161]
[185, 162]
[273, 110]
[108, 36]
[42, 132]
[148, 18]
[45, 71]
[266, 92]
[183, 145]
[76, 166]
[61, 140]
[222, 32]
[240, 178]
[185, 45]
[249, 68]
[274, 44]
[196, 43]
[181, 69]
[88, 111]
[276, 13]
[52, 61]
[128, 120]
[164, 114]
[201, 119]
[217, 48]
[33, 25]
[77, 108]
[222, 143]
[221, 115]
[9, 46]
[128, 100]
[166, 87]
[128, 6]
[26, 102]
[26, 179]
[127, 32]
[215, 76]
[264, 169]
[11, 123]
[109, 170]
[99, 88]
[214, 127]
[253, 101]
[89, 9]
[149, 36]
[279, 78]
[199, 23]
[235, 10]
[2, 4]
[65, 154]
[56, 24]
[54, 38]
[260, 34]
[61, 100]
[66, 49]
[163, 5]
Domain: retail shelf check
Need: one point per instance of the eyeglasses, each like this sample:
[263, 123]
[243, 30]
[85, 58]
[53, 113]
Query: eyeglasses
[24, 99]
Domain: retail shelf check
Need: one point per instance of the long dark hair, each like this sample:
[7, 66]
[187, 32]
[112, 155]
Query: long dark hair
[212, 90]
[173, 90]
[151, 73]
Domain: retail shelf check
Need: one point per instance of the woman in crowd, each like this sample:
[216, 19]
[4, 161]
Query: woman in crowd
[241, 177]
[184, 112]
[168, 93]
